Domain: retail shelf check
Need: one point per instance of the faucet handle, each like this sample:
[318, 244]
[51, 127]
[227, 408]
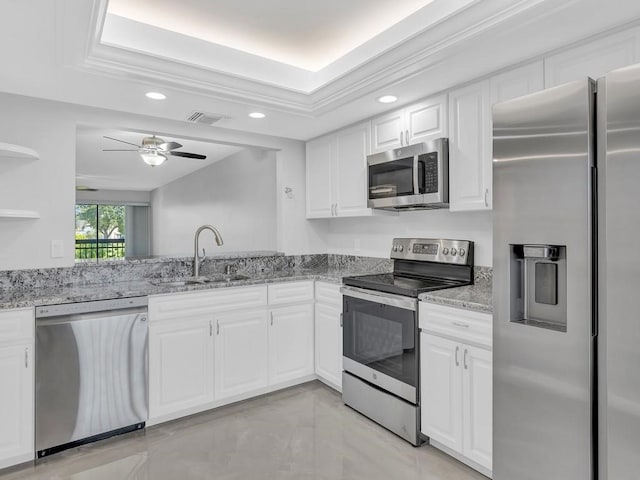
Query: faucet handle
[204, 255]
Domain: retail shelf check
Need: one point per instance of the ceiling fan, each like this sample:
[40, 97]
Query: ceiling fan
[154, 150]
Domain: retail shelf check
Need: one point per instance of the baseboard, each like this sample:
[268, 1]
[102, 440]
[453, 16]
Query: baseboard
[229, 400]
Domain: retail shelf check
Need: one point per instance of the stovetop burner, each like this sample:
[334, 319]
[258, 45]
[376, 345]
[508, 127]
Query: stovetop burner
[422, 265]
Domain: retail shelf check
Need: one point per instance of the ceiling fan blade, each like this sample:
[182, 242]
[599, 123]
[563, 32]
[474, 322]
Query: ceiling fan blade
[166, 146]
[122, 141]
[188, 155]
[118, 150]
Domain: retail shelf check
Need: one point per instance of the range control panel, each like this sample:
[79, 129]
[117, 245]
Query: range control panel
[433, 250]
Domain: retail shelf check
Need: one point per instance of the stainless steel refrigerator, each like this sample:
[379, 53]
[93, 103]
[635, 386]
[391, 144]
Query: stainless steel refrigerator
[567, 282]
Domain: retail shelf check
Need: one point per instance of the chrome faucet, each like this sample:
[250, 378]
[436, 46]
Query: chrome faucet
[197, 259]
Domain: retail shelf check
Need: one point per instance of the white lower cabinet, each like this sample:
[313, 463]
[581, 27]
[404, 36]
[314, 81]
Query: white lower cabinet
[17, 386]
[290, 343]
[441, 395]
[180, 365]
[477, 405]
[456, 383]
[241, 352]
[213, 347]
[328, 334]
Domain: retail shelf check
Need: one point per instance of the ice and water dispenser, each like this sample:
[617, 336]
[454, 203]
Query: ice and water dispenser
[539, 286]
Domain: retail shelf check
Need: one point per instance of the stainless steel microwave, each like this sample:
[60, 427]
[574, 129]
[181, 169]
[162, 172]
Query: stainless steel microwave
[410, 178]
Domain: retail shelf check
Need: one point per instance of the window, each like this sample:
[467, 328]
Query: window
[106, 231]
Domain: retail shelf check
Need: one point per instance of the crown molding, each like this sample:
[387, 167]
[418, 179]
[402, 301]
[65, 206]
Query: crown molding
[429, 51]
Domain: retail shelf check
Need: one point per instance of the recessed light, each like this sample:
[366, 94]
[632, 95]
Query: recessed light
[155, 95]
[388, 99]
[257, 115]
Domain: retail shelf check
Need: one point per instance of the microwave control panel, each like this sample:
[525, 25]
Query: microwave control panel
[429, 164]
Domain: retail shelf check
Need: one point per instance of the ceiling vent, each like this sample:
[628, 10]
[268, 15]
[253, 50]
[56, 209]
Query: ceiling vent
[206, 118]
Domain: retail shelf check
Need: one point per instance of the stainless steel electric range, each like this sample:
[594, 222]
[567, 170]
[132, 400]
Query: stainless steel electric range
[381, 347]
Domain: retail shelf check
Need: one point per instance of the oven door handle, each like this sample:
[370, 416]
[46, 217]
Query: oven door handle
[407, 303]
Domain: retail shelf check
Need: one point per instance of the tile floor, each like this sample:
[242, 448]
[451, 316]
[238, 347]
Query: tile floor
[304, 432]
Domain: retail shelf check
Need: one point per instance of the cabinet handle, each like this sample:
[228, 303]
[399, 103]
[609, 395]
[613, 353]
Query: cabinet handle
[401, 135]
[486, 197]
[26, 357]
[217, 328]
[466, 367]
[336, 210]
[271, 315]
[341, 320]
[462, 325]
[457, 361]
[210, 328]
[406, 136]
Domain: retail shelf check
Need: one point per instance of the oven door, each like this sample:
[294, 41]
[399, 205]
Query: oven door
[380, 340]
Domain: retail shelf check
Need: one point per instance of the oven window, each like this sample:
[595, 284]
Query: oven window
[381, 337]
[391, 179]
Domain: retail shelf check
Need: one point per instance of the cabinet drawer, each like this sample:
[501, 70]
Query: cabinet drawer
[465, 325]
[16, 325]
[328, 293]
[290, 292]
[163, 307]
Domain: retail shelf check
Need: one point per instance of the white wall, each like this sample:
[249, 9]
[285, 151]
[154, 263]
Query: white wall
[237, 195]
[371, 236]
[48, 185]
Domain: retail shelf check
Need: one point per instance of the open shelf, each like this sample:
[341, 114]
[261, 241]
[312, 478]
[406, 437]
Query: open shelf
[8, 150]
[9, 213]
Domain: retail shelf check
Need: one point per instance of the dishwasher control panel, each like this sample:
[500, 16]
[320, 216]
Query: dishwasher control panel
[45, 311]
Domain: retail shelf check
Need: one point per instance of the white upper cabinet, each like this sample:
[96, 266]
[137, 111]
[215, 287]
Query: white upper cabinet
[421, 122]
[515, 83]
[593, 59]
[470, 135]
[337, 174]
[352, 148]
[320, 177]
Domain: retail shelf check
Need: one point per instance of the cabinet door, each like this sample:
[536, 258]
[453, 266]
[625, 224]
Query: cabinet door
[328, 343]
[477, 405]
[180, 365]
[290, 343]
[319, 177]
[240, 352]
[427, 120]
[352, 148]
[470, 163]
[441, 390]
[387, 131]
[517, 82]
[594, 59]
[16, 404]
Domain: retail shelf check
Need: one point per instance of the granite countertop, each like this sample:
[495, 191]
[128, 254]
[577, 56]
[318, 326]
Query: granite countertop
[18, 298]
[476, 297]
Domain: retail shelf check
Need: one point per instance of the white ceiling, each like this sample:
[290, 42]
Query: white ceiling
[308, 34]
[126, 170]
[52, 49]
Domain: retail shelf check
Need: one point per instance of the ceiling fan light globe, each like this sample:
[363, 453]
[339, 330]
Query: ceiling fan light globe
[153, 158]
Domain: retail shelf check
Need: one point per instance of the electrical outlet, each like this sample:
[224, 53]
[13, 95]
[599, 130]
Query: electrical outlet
[57, 248]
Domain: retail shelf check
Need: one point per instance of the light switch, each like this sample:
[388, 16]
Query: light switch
[57, 249]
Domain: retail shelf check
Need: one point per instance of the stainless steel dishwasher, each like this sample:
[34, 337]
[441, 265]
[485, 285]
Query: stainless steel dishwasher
[91, 371]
